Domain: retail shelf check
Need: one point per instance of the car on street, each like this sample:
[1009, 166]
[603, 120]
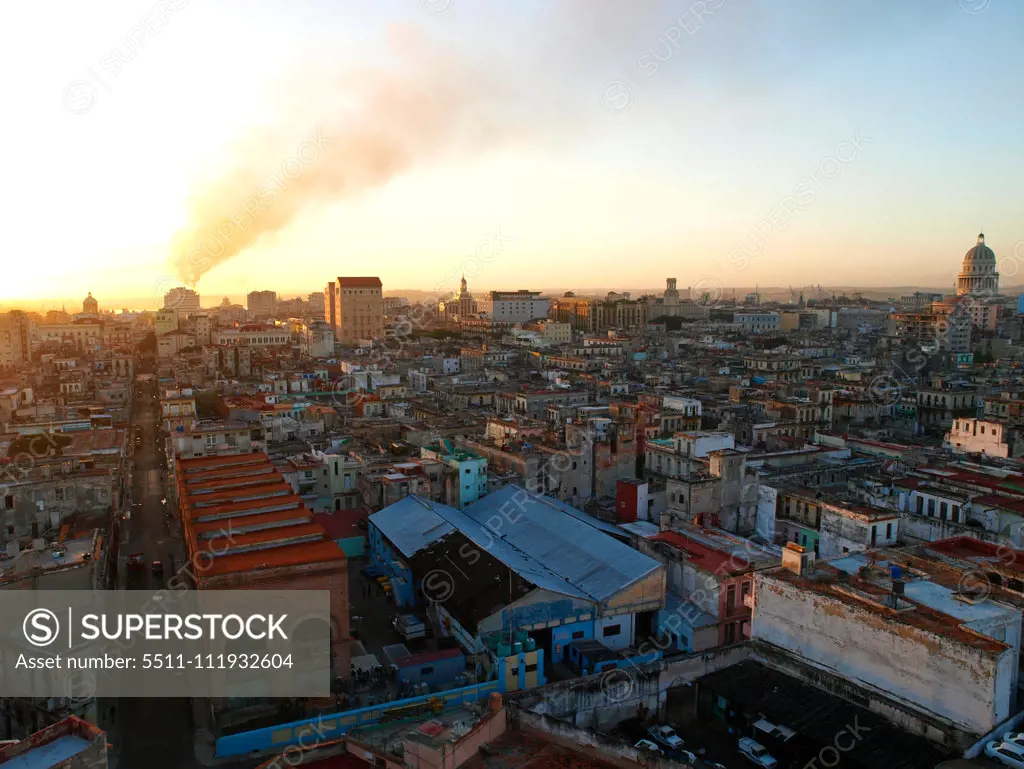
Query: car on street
[665, 736]
[1006, 753]
[647, 746]
[1016, 737]
[757, 753]
[683, 755]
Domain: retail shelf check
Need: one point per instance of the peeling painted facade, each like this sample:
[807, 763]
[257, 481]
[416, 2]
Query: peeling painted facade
[955, 673]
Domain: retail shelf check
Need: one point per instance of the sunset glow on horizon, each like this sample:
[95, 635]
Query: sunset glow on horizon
[597, 134]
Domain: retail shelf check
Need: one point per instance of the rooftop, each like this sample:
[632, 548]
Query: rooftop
[717, 551]
[242, 511]
[52, 746]
[548, 543]
[838, 581]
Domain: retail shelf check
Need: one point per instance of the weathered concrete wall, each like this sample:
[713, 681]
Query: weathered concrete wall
[595, 746]
[930, 671]
[916, 528]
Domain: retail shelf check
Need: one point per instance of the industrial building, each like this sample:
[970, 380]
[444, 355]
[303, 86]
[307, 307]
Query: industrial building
[518, 567]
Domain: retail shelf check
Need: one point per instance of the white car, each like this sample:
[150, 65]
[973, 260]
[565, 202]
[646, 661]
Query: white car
[666, 735]
[648, 747]
[756, 753]
[684, 755]
[1017, 737]
[1007, 753]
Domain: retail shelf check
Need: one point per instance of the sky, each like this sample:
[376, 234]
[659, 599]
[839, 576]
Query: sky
[572, 143]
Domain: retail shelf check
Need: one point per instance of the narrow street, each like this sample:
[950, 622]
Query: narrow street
[149, 732]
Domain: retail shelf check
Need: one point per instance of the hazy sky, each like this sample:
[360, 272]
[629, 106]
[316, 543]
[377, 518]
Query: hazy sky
[610, 143]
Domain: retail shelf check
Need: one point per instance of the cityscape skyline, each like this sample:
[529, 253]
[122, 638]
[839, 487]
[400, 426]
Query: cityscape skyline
[435, 384]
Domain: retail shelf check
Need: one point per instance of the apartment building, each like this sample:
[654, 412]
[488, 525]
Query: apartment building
[358, 309]
[985, 436]
[518, 306]
[261, 305]
[14, 339]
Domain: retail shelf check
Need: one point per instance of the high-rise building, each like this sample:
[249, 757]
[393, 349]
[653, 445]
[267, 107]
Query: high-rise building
[261, 304]
[181, 299]
[358, 309]
[978, 274]
[316, 306]
[330, 307]
[518, 306]
[14, 339]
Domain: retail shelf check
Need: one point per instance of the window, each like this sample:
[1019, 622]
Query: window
[730, 599]
[531, 668]
[427, 670]
[730, 633]
[888, 531]
[467, 471]
[611, 630]
[577, 635]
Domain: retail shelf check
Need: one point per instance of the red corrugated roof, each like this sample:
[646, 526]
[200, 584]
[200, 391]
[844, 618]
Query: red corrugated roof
[704, 557]
[976, 550]
[360, 282]
[342, 523]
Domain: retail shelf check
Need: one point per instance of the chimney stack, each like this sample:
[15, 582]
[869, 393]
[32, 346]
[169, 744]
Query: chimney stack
[797, 559]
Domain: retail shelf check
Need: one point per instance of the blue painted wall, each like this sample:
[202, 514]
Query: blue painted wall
[384, 556]
[560, 636]
[435, 673]
[310, 731]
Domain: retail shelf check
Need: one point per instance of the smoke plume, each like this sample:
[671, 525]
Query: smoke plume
[368, 125]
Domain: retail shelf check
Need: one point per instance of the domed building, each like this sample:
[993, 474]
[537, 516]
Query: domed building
[90, 306]
[978, 275]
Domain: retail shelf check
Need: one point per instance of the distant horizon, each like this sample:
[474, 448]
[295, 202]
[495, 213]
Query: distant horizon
[773, 293]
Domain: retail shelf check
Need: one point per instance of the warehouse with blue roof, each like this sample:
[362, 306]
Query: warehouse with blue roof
[517, 567]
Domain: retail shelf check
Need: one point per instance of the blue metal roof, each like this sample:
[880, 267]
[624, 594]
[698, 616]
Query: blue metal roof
[412, 523]
[571, 546]
[548, 543]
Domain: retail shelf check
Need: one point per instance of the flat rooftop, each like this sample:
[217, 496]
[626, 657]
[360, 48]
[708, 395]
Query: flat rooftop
[49, 755]
[839, 584]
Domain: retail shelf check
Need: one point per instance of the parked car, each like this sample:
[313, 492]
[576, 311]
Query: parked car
[665, 736]
[409, 626]
[683, 755]
[1007, 753]
[1016, 737]
[757, 753]
[646, 746]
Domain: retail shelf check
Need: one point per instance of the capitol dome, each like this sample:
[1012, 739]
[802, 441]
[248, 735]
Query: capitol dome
[978, 274]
